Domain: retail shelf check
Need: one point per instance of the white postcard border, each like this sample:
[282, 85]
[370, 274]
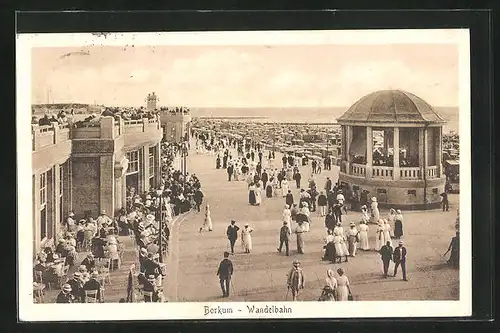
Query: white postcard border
[162, 311]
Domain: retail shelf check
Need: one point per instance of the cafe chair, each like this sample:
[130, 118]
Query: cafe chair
[147, 295]
[39, 279]
[91, 296]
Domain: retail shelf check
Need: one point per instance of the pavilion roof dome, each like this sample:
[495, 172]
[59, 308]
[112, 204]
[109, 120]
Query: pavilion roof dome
[391, 106]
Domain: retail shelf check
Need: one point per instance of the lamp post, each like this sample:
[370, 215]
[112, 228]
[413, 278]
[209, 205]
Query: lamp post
[160, 240]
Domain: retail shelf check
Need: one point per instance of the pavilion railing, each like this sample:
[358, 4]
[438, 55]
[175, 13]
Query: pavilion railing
[382, 172]
[358, 170]
[432, 171]
[409, 173]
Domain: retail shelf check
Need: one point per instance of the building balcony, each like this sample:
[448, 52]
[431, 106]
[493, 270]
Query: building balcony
[50, 145]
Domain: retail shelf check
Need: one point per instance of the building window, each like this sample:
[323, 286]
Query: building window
[151, 162]
[43, 205]
[133, 162]
[412, 192]
[434, 191]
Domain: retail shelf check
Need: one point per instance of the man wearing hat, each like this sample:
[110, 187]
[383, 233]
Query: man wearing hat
[295, 279]
[150, 286]
[70, 221]
[341, 199]
[232, 234]
[89, 262]
[77, 288]
[65, 295]
[104, 219]
[284, 237]
[386, 254]
[225, 272]
[399, 258]
[93, 284]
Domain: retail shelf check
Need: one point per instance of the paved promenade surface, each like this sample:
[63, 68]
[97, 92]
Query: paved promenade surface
[260, 275]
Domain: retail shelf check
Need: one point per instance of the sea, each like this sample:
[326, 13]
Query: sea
[302, 115]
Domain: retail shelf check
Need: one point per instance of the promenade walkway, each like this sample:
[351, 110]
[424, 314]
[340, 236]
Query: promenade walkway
[260, 275]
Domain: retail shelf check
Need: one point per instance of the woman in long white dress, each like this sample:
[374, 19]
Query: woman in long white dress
[331, 282]
[365, 217]
[379, 236]
[276, 189]
[207, 224]
[289, 174]
[363, 236]
[343, 288]
[258, 195]
[387, 232]
[287, 215]
[391, 217]
[246, 238]
[375, 213]
[284, 188]
[338, 240]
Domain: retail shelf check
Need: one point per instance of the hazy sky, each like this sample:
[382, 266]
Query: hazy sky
[204, 76]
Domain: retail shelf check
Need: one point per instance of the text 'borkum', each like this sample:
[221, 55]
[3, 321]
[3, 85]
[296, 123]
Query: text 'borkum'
[217, 310]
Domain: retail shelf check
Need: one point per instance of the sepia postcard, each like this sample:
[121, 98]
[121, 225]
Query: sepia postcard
[244, 175]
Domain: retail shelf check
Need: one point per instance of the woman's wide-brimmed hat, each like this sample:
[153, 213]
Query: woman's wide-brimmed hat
[364, 206]
[150, 218]
[352, 224]
[67, 287]
[339, 224]
[151, 278]
[374, 199]
[398, 211]
[296, 263]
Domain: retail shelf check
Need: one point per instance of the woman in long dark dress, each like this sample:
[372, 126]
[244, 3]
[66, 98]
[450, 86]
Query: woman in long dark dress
[269, 188]
[398, 225]
[217, 162]
[251, 194]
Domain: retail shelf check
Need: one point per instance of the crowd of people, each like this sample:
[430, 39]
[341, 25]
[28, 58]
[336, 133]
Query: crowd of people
[98, 240]
[246, 161]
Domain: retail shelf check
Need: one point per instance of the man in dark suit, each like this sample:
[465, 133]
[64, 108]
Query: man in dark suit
[399, 258]
[289, 198]
[264, 177]
[77, 288]
[444, 201]
[284, 237]
[328, 184]
[386, 254]
[230, 170]
[198, 198]
[225, 272]
[93, 284]
[232, 234]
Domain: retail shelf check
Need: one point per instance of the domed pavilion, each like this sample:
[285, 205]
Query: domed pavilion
[392, 147]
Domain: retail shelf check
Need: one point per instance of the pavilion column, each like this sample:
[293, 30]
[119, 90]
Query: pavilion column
[348, 148]
[421, 151]
[396, 173]
[369, 151]
[426, 150]
[439, 152]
